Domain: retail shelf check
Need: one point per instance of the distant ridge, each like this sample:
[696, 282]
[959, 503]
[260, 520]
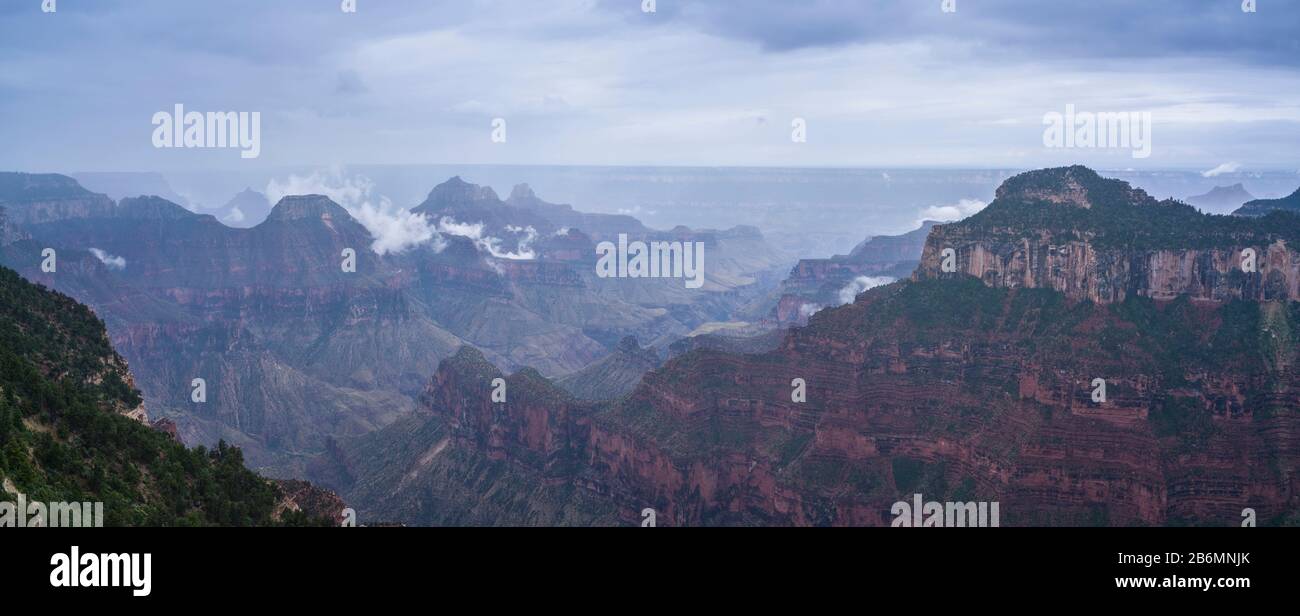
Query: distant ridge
[1262, 207]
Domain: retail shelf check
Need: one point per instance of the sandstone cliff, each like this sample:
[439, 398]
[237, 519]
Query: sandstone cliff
[956, 387]
[1091, 238]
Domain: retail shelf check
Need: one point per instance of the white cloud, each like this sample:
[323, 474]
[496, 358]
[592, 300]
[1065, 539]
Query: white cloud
[860, 284]
[393, 228]
[586, 79]
[1221, 169]
[117, 263]
[949, 213]
[474, 231]
[235, 216]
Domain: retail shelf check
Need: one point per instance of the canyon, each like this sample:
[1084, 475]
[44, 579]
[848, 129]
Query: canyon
[296, 351]
[973, 385]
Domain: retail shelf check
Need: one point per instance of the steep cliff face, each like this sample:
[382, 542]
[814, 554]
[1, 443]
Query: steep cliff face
[1133, 411]
[471, 459]
[38, 198]
[942, 387]
[9, 233]
[987, 392]
[1072, 231]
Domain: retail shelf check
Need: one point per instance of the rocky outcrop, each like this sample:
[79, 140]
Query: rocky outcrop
[1091, 238]
[1134, 411]
[987, 399]
[306, 498]
[40, 198]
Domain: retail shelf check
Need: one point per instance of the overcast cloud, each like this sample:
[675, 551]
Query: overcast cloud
[888, 83]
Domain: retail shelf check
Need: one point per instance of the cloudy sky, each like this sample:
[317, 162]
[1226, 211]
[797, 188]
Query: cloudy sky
[887, 83]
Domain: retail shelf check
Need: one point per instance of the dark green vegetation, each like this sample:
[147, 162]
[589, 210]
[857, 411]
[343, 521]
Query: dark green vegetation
[1117, 216]
[62, 438]
[1263, 207]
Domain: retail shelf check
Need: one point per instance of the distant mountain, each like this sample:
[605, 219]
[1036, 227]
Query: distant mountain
[1222, 199]
[1262, 207]
[296, 351]
[37, 198]
[120, 185]
[1088, 237]
[612, 376]
[246, 209]
[599, 226]
[814, 284]
[72, 427]
[1032, 383]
